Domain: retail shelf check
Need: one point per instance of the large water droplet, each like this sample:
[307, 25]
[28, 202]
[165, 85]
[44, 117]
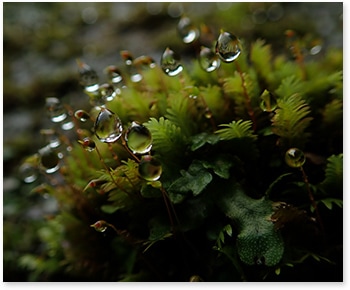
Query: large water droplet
[107, 92]
[268, 101]
[295, 158]
[208, 60]
[49, 159]
[56, 111]
[88, 77]
[187, 30]
[88, 144]
[227, 47]
[149, 168]
[138, 138]
[108, 127]
[100, 226]
[170, 63]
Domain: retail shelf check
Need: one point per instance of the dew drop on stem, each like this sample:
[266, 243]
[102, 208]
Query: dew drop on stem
[138, 138]
[49, 159]
[170, 63]
[150, 169]
[295, 158]
[208, 60]
[188, 32]
[227, 47]
[108, 127]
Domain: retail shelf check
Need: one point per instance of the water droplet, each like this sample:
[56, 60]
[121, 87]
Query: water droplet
[268, 101]
[100, 226]
[138, 138]
[49, 159]
[149, 168]
[135, 77]
[51, 137]
[88, 77]
[107, 92]
[170, 63]
[208, 60]
[144, 60]
[67, 126]
[207, 113]
[295, 158]
[82, 115]
[108, 126]
[127, 57]
[56, 111]
[192, 91]
[227, 47]
[187, 30]
[113, 74]
[88, 144]
[28, 172]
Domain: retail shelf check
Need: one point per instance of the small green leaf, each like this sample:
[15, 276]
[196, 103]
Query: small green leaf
[110, 208]
[203, 138]
[194, 180]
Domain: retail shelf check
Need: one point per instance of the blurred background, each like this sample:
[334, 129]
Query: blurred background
[41, 42]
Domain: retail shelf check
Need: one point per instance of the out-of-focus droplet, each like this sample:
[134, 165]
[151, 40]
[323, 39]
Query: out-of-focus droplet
[49, 159]
[192, 91]
[227, 47]
[207, 113]
[138, 138]
[88, 144]
[51, 137]
[144, 61]
[113, 73]
[82, 115]
[108, 127]
[170, 63]
[107, 92]
[150, 169]
[295, 158]
[208, 60]
[187, 30]
[315, 49]
[56, 111]
[88, 77]
[127, 57]
[100, 226]
[268, 102]
[28, 172]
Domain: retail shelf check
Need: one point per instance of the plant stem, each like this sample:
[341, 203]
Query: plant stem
[312, 199]
[246, 95]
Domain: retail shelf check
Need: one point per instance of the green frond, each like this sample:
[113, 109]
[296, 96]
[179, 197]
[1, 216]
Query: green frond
[334, 174]
[333, 112]
[239, 129]
[289, 86]
[233, 88]
[291, 120]
[168, 139]
[261, 57]
[180, 111]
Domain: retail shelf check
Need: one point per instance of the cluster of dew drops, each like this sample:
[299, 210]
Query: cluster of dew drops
[107, 126]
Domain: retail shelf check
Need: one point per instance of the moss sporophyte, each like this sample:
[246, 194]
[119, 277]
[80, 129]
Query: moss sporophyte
[179, 165]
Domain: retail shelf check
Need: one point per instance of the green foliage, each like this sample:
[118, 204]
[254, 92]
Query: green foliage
[291, 121]
[257, 240]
